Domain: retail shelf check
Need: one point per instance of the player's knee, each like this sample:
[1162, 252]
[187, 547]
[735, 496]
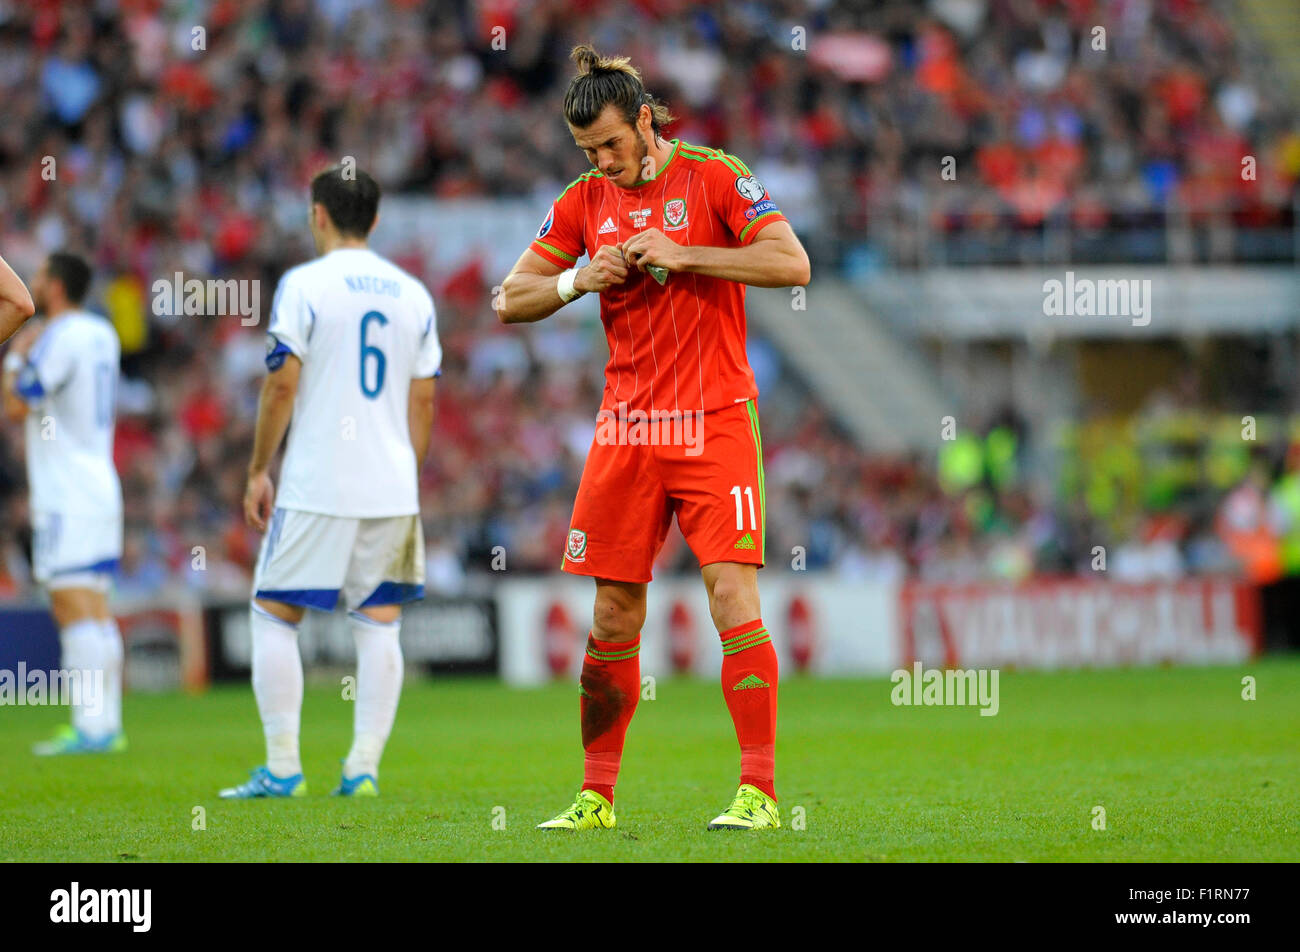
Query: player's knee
[617, 619]
[382, 614]
[64, 611]
[732, 595]
[281, 610]
[71, 605]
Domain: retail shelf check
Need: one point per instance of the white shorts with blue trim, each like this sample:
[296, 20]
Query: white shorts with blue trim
[73, 551]
[308, 558]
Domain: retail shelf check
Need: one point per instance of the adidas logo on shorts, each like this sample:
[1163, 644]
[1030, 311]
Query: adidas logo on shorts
[746, 542]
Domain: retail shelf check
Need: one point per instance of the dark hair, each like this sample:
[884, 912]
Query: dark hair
[603, 80]
[72, 272]
[352, 200]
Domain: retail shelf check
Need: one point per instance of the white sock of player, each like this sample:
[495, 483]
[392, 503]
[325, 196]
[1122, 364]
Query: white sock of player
[277, 682]
[379, 685]
[83, 652]
[111, 639]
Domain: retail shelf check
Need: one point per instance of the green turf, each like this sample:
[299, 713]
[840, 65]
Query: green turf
[1184, 767]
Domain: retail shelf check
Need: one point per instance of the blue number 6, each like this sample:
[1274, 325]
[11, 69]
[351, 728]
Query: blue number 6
[375, 352]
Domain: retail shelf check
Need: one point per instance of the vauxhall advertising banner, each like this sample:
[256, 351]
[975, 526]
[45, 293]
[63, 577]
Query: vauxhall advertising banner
[831, 627]
[1073, 623]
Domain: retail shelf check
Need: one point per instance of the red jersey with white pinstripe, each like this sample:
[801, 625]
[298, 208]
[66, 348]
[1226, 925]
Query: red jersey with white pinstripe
[680, 346]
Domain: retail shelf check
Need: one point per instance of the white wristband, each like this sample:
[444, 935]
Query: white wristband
[564, 286]
[14, 362]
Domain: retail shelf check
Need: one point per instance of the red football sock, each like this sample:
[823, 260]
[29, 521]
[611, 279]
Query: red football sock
[749, 682]
[609, 689]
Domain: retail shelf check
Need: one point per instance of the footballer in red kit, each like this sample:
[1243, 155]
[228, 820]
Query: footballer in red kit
[674, 231]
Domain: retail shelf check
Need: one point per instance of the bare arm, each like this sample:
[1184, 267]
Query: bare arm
[528, 292]
[774, 259]
[420, 418]
[15, 302]
[274, 410]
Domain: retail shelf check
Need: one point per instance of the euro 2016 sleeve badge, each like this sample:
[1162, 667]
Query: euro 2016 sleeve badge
[543, 231]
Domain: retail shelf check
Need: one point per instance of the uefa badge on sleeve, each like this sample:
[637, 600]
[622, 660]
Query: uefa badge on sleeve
[750, 187]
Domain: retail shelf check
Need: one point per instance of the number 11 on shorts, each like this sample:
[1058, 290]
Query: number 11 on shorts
[740, 519]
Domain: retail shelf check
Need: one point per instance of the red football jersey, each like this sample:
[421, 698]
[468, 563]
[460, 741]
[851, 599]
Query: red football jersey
[680, 346]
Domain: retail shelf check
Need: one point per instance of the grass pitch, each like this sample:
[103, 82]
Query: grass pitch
[1185, 769]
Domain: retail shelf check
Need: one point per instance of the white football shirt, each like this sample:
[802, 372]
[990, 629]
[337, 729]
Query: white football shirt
[363, 329]
[70, 385]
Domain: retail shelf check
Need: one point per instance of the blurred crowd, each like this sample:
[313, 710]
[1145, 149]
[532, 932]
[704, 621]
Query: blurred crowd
[159, 137]
[1022, 130]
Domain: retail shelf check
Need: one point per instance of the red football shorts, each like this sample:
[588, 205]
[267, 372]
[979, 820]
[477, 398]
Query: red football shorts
[705, 468]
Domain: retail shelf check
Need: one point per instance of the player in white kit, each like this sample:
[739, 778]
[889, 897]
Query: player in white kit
[60, 376]
[352, 354]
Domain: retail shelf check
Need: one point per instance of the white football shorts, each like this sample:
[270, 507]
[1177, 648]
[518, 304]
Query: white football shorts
[73, 551]
[308, 558]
